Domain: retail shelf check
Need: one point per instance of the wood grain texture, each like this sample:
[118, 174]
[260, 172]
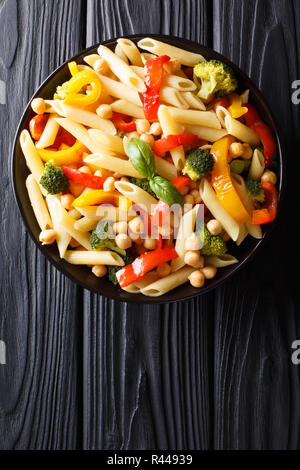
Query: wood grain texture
[40, 309]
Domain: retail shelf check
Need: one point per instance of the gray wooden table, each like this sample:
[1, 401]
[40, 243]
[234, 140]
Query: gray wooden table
[86, 372]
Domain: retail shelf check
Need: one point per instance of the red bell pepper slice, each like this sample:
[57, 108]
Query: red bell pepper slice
[172, 141]
[64, 138]
[181, 182]
[123, 122]
[253, 120]
[222, 102]
[89, 181]
[37, 125]
[268, 212]
[143, 264]
[154, 73]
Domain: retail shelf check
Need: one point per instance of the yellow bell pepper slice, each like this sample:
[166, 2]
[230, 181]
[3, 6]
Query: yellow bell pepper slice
[222, 182]
[75, 85]
[63, 157]
[73, 68]
[99, 196]
[236, 109]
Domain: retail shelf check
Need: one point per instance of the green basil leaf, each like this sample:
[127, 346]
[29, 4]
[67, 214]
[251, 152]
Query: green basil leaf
[166, 191]
[142, 157]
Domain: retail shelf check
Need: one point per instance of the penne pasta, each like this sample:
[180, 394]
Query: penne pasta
[136, 287]
[137, 195]
[245, 96]
[80, 132]
[186, 228]
[168, 126]
[38, 203]
[84, 117]
[63, 238]
[165, 284]
[254, 230]
[113, 163]
[120, 53]
[68, 224]
[85, 224]
[165, 169]
[119, 90]
[209, 198]
[122, 70]
[91, 59]
[172, 96]
[103, 211]
[194, 117]
[160, 48]
[147, 56]
[124, 107]
[109, 258]
[33, 160]
[49, 133]
[111, 143]
[180, 83]
[131, 51]
[206, 133]
[220, 261]
[257, 166]
[193, 100]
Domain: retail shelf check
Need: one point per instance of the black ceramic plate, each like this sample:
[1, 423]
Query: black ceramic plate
[82, 275]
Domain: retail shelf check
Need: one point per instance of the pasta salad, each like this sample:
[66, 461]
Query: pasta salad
[146, 164]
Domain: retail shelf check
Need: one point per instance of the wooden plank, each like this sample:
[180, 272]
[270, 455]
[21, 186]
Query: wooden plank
[147, 369]
[40, 318]
[256, 386]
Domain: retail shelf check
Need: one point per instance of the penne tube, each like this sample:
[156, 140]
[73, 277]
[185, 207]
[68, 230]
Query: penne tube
[242, 235]
[147, 56]
[112, 163]
[165, 284]
[120, 53]
[193, 100]
[131, 51]
[80, 132]
[91, 59]
[49, 133]
[122, 70]
[119, 90]
[84, 117]
[49, 106]
[211, 201]
[241, 131]
[63, 238]
[103, 211]
[195, 117]
[160, 48]
[33, 160]
[135, 287]
[180, 83]
[172, 96]
[206, 133]
[109, 258]
[111, 143]
[254, 230]
[38, 203]
[74, 213]
[124, 107]
[169, 127]
[85, 224]
[245, 96]
[137, 195]
[186, 228]
[165, 169]
[68, 224]
[220, 261]
[240, 187]
[257, 166]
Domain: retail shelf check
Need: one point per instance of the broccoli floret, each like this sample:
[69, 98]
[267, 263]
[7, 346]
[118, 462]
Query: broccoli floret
[102, 238]
[213, 245]
[255, 190]
[112, 270]
[198, 163]
[53, 179]
[239, 166]
[144, 184]
[216, 77]
[61, 91]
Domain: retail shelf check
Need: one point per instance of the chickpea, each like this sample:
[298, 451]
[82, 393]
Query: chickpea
[192, 243]
[197, 279]
[47, 237]
[269, 177]
[85, 169]
[188, 199]
[100, 66]
[123, 241]
[247, 152]
[194, 259]
[209, 272]
[66, 201]
[150, 244]
[38, 105]
[104, 111]
[99, 270]
[214, 226]
[163, 269]
[236, 150]
[109, 184]
[142, 126]
[136, 225]
[149, 139]
[184, 191]
[196, 196]
[155, 128]
[120, 227]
